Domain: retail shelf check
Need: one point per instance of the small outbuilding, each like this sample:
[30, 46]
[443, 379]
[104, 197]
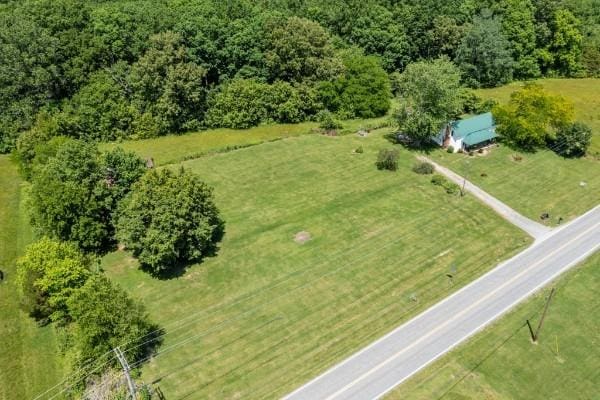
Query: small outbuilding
[468, 133]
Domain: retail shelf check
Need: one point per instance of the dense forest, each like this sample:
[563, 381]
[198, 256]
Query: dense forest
[106, 70]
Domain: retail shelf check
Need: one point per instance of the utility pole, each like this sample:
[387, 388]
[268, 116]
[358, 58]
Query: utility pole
[126, 369]
[535, 336]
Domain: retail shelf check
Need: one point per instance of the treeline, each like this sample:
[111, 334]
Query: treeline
[81, 203]
[105, 70]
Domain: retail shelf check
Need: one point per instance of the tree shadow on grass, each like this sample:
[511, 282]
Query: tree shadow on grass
[426, 147]
[180, 267]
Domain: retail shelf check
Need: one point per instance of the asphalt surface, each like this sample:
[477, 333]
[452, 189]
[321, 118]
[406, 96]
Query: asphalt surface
[533, 228]
[381, 366]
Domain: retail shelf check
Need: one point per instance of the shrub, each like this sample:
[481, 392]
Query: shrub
[387, 159]
[328, 122]
[423, 168]
[168, 220]
[450, 149]
[572, 140]
[451, 188]
[359, 150]
[438, 180]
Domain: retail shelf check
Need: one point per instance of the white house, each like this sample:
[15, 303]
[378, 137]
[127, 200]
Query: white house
[469, 133]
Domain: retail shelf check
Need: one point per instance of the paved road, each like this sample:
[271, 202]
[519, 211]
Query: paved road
[386, 363]
[534, 229]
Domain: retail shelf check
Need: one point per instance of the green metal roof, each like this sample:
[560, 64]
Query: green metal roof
[477, 129]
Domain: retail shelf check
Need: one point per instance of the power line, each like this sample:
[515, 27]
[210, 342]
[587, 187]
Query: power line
[345, 169]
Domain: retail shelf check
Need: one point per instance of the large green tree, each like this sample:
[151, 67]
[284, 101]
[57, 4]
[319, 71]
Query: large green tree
[298, 49]
[518, 23]
[100, 111]
[168, 86]
[243, 103]
[532, 117]
[363, 91]
[484, 54]
[169, 219]
[105, 317]
[74, 194]
[431, 95]
[47, 275]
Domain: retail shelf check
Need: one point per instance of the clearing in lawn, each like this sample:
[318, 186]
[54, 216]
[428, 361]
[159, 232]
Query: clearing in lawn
[503, 363]
[268, 313]
[29, 355]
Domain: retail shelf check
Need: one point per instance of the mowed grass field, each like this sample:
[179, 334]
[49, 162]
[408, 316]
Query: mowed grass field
[540, 182]
[582, 92]
[532, 183]
[29, 359]
[502, 363]
[267, 314]
[171, 149]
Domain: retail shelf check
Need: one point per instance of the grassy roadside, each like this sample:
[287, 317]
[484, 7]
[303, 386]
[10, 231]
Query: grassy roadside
[381, 246]
[531, 183]
[502, 363]
[29, 361]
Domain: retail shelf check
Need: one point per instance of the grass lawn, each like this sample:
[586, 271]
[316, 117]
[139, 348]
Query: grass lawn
[267, 314]
[175, 148]
[29, 360]
[502, 363]
[584, 93]
[538, 183]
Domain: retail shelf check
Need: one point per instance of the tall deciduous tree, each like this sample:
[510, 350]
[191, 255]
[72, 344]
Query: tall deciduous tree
[73, 195]
[532, 117]
[297, 49]
[104, 317]
[363, 91]
[431, 94]
[518, 24]
[484, 54]
[169, 219]
[167, 85]
[565, 44]
[47, 275]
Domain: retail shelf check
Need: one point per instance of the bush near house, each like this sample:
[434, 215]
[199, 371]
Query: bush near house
[423, 168]
[387, 159]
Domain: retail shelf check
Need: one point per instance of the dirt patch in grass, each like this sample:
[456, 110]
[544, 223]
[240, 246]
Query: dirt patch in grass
[302, 237]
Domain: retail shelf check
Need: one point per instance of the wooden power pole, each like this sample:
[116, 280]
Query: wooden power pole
[536, 335]
[126, 370]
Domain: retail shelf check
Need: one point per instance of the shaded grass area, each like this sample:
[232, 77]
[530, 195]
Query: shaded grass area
[584, 93]
[267, 314]
[175, 148]
[503, 363]
[29, 361]
[532, 183]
